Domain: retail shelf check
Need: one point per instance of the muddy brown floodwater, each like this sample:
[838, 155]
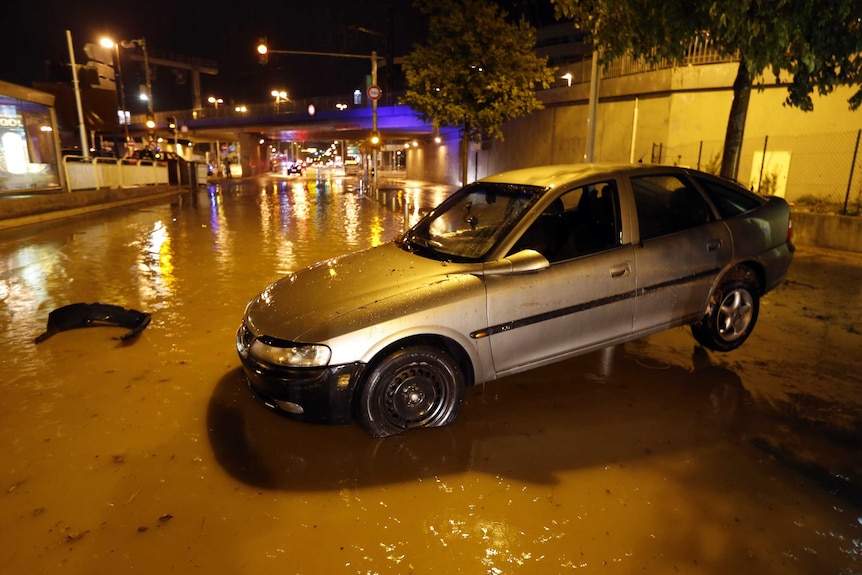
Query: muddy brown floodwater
[151, 456]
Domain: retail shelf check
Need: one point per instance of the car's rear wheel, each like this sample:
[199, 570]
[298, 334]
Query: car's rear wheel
[419, 386]
[731, 314]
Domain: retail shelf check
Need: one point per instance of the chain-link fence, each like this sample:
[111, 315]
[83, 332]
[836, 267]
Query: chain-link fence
[822, 172]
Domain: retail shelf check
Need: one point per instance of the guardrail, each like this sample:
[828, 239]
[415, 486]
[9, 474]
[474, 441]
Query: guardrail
[95, 173]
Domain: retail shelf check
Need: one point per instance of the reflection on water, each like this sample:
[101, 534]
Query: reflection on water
[156, 266]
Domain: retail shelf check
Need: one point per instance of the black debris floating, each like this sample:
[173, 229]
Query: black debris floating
[77, 315]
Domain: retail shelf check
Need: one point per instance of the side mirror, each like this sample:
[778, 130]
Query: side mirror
[525, 261]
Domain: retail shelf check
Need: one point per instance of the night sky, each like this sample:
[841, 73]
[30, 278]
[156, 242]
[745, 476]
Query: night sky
[34, 35]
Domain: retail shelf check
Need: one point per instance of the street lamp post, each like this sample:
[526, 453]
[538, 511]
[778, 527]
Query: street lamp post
[108, 43]
[142, 43]
[127, 44]
[279, 96]
[216, 102]
[217, 167]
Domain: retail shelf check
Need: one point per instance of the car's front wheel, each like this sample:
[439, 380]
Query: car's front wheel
[731, 314]
[419, 386]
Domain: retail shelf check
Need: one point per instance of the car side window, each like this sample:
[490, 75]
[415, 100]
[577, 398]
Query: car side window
[581, 221]
[729, 200]
[666, 204]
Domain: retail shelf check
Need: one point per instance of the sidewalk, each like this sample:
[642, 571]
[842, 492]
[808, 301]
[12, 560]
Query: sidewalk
[24, 209]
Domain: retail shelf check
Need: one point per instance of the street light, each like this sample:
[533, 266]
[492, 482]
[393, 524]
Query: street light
[108, 43]
[142, 44]
[279, 96]
[127, 44]
[216, 102]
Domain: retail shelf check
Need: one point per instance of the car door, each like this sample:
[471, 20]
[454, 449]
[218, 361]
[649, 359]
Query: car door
[583, 299]
[682, 249]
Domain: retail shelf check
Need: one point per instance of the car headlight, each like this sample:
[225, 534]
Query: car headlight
[291, 354]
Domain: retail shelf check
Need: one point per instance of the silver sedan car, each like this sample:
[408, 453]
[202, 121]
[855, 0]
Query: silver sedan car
[510, 273]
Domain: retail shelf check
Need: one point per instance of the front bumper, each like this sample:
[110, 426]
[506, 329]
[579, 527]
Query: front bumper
[314, 395]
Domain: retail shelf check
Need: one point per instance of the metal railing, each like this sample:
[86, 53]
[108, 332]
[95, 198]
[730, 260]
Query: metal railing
[700, 52]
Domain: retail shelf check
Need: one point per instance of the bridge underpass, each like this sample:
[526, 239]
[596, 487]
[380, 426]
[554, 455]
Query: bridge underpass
[315, 123]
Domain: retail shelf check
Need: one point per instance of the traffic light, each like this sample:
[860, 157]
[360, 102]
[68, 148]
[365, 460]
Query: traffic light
[375, 138]
[172, 123]
[262, 50]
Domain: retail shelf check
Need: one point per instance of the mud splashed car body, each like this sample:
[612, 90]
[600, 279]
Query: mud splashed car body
[510, 273]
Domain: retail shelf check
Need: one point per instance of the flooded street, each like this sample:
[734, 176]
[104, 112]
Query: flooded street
[151, 456]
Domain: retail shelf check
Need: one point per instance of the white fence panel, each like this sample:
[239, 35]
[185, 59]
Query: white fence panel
[109, 173]
[94, 173]
[79, 174]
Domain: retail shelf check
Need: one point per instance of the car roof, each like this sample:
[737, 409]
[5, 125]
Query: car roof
[560, 174]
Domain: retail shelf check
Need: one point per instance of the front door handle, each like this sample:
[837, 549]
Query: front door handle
[713, 244]
[620, 270]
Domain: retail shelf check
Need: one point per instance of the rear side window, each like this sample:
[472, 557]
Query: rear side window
[666, 204]
[727, 199]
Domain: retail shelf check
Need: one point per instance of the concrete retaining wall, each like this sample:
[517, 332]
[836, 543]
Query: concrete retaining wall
[827, 231]
[21, 211]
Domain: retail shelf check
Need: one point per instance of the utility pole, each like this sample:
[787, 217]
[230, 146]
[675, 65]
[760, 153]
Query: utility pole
[85, 146]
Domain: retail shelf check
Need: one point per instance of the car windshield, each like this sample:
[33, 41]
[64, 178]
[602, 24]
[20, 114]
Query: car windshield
[466, 226]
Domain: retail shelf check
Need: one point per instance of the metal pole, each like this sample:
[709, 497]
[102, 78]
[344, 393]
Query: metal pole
[85, 146]
[177, 153]
[634, 133]
[852, 169]
[122, 98]
[762, 163]
[374, 119]
[594, 96]
[147, 76]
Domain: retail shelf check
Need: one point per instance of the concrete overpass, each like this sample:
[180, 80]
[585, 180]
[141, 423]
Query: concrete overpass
[312, 120]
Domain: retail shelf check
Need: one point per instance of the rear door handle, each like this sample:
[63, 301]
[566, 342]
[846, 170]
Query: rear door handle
[713, 244]
[620, 270]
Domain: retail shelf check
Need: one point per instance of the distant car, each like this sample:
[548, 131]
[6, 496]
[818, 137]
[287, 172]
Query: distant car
[295, 168]
[510, 273]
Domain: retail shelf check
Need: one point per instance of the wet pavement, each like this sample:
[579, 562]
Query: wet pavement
[151, 456]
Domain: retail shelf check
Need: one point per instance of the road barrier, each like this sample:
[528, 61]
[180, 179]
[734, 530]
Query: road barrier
[96, 173]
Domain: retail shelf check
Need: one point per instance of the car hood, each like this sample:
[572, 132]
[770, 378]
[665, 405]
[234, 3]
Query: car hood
[297, 303]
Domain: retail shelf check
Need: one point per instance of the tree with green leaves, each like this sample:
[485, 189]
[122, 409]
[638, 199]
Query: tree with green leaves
[816, 43]
[476, 71]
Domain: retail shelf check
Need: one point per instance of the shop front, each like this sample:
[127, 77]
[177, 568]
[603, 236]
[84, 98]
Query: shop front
[29, 146]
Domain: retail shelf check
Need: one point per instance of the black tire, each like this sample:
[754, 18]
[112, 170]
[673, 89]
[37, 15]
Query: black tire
[731, 314]
[420, 386]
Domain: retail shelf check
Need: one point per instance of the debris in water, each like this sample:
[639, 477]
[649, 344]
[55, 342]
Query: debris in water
[78, 315]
